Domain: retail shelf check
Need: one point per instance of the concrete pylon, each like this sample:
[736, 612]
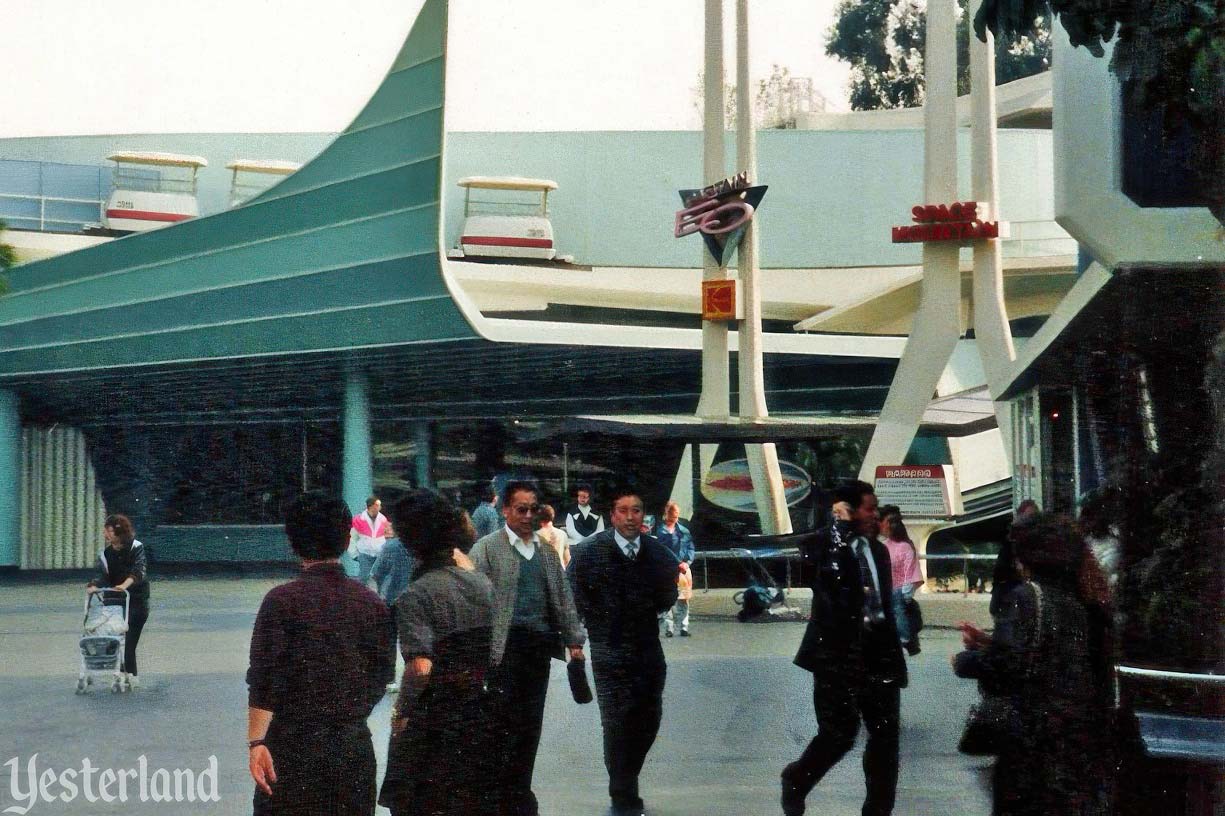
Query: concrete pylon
[10, 479]
[991, 328]
[357, 470]
[937, 323]
[762, 459]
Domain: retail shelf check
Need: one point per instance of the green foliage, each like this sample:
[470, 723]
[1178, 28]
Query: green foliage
[1168, 54]
[1170, 51]
[830, 461]
[884, 41]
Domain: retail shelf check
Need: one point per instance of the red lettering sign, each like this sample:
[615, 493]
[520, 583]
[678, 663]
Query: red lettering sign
[957, 222]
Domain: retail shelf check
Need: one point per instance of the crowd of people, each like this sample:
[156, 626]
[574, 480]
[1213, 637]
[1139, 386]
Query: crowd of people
[479, 618]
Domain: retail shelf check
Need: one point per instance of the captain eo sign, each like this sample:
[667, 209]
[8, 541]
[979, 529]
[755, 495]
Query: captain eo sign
[960, 222]
[721, 213]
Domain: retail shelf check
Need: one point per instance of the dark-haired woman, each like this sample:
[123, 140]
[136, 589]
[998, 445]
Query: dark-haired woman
[123, 564]
[440, 757]
[907, 577]
[1049, 654]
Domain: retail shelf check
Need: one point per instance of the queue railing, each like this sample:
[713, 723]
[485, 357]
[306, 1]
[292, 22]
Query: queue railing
[790, 555]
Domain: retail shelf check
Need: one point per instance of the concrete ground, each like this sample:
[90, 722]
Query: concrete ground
[736, 710]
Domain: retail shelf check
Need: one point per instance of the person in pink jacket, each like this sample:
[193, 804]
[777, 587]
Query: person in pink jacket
[907, 577]
[367, 537]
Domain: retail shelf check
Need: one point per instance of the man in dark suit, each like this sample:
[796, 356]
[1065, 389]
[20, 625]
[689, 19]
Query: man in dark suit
[534, 615]
[623, 578]
[852, 649]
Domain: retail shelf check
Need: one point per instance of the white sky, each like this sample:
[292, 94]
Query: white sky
[75, 67]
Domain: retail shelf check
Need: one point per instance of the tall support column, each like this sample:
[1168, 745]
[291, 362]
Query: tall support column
[991, 328]
[423, 445]
[358, 457]
[937, 323]
[715, 401]
[762, 459]
[682, 485]
[10, 479]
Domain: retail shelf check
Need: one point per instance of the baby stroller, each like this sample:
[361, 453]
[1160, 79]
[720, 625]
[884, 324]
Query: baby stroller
[103, 638]
[763, 599]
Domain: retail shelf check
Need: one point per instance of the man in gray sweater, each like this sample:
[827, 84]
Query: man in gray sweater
[534, 616]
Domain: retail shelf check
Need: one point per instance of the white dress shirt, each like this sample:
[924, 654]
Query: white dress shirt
[526, 549]
[625, 544]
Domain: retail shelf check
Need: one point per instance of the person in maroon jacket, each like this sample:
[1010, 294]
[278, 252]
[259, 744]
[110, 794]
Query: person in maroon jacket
[322, 654]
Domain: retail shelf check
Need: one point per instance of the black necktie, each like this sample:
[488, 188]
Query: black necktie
[873, 609]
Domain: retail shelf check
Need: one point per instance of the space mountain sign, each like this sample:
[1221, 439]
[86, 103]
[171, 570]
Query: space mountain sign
[721, 213]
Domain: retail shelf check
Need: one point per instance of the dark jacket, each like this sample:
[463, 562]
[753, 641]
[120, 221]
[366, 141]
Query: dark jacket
[116, 566]
[618, 599]
[836, 633]
[1046, 654]
[322, 650]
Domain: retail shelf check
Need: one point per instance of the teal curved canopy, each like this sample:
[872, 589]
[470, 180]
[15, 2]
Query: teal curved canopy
[342, 255]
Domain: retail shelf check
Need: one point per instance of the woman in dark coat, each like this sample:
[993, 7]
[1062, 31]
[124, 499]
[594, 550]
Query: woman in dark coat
[439, 757]
[123, 564]
[1049, 654]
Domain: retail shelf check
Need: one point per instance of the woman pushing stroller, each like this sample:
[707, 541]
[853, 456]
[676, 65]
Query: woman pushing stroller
[123, 565]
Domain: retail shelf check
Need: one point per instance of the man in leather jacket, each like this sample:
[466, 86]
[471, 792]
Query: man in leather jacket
[852, 649]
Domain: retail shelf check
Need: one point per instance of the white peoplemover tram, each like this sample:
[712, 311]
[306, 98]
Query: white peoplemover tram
[151, 190]
[252, 176]
[506, 217]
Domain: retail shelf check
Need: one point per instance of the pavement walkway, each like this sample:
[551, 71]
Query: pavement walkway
[736, 710]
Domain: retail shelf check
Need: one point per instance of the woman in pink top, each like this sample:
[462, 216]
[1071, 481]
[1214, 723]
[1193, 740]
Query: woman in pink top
[907, 577]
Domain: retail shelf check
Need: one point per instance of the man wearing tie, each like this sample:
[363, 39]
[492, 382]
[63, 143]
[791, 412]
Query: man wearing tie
[852, 649]
[623, 579]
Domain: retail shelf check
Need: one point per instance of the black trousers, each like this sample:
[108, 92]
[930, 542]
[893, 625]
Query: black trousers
[841, 702]
[322, 768]
[629, 688]
[137, 617]
[520, 683]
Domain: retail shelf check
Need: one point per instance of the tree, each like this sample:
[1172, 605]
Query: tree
[884, 41]
[780, 98]
[1169, 56]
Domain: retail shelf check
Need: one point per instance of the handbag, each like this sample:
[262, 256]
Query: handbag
[914, 616]
[994, 720]
[576, 670]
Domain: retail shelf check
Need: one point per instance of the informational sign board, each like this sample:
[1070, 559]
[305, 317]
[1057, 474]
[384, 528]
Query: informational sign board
[924, 491]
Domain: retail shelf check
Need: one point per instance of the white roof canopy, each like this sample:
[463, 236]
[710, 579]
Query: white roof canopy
[272, 167]
[154, 157]
[507, 183]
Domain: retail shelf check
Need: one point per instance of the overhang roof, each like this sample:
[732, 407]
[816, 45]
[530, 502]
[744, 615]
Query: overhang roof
[342, 255]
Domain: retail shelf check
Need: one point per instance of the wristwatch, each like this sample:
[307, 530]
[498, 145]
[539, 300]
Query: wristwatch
[255, 743]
